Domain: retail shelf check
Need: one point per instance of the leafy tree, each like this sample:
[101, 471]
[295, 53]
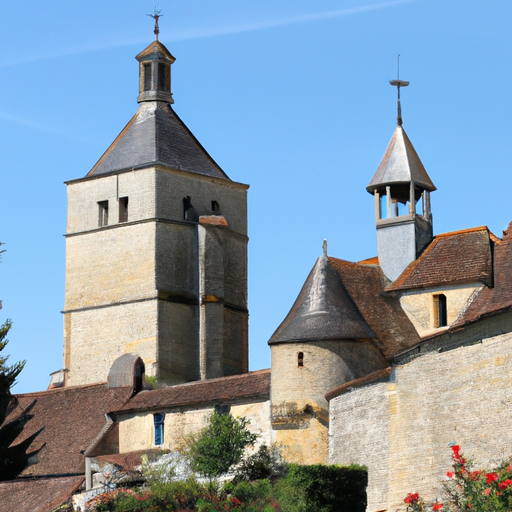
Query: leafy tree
[220, 445]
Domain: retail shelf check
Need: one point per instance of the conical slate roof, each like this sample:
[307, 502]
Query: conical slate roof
[157, 136]
[400, 164]
[323, 310]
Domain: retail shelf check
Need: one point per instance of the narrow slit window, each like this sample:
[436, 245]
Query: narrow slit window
[215, 207]
[147, 77]
[440, 311]
[300, 359]
[163, 73]
[159, 420]
[123, 209]
[102, 213]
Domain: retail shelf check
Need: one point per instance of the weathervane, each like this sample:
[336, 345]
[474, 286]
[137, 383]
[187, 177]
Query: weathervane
[156, 15]
[398, 83]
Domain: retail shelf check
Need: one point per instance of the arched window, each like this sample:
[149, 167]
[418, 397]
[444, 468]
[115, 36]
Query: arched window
[300, 359]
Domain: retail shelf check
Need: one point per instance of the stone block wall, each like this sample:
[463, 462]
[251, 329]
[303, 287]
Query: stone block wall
[136, 430]
[110, 266]
[419, 305]
[173, 186]
[94, 338]
[458, 392]
[299, 408]
[84, 195]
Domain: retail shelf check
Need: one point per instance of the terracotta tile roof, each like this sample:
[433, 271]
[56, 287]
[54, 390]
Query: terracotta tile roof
[156, 135]
[369, 261]
[382, 312]
[451, 258]
[347, 386]
[246, 385]
[73, 417]
[499, 297]
[37, 494]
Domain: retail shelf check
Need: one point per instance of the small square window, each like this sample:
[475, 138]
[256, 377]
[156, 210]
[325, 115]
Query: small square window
[123, 209]
[102, 213]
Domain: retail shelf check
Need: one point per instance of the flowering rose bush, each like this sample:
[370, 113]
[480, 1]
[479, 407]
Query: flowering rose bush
[469, 491]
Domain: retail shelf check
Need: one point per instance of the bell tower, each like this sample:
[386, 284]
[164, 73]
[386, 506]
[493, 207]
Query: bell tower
[401, 187]
[156, 250]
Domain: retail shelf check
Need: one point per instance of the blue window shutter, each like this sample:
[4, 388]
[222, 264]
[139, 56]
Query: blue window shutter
[159, 428]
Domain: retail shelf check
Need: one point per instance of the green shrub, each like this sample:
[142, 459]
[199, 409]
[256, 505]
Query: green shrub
[220, 445]
[267, 462]
[322, 488]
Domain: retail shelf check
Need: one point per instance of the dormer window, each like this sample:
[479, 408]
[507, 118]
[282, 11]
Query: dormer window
[440, 310]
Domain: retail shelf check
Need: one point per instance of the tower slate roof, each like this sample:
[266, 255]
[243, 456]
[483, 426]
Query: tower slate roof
[323, 310]
[157, 136]
[400, 164]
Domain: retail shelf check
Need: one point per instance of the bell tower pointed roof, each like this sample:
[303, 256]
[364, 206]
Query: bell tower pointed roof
[156, 135]
[400, 165]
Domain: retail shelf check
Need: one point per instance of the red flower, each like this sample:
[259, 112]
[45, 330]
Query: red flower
[486, 492]
[491, 477]
[506, 483]
[449, 474]
[437, 506]
[412, 497]
[456, 449]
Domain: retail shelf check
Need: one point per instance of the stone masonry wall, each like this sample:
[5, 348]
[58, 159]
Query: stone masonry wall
[172, 187]
[419, 305]
[460, 394]
[136, 430]
[299, 407]
[94, 338]
[109, 266]
[83, 198]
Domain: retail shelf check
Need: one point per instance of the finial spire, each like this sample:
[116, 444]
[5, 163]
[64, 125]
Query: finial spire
[325, 247]
[156, 15]
[398, 83]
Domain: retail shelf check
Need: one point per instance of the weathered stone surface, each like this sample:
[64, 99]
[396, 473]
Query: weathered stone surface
[401, 429]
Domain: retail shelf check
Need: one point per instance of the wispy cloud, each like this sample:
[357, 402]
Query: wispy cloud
[293, 20]
[40, 127]
[205, 32]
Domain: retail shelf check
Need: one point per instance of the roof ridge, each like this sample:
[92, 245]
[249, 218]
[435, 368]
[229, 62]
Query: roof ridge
[205, 381]
[462, 231]
[65, 388]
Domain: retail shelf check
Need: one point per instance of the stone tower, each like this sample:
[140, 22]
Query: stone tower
[399, 186]
[156, 250]
[322, 343]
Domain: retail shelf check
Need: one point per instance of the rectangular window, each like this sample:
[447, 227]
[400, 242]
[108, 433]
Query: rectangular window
[163, 82]
[123, 209]
[440, 310]
[102, 213]
[147, 77]
[159, 428]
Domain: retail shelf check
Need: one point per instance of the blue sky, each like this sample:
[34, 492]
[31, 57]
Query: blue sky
[289, 96]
